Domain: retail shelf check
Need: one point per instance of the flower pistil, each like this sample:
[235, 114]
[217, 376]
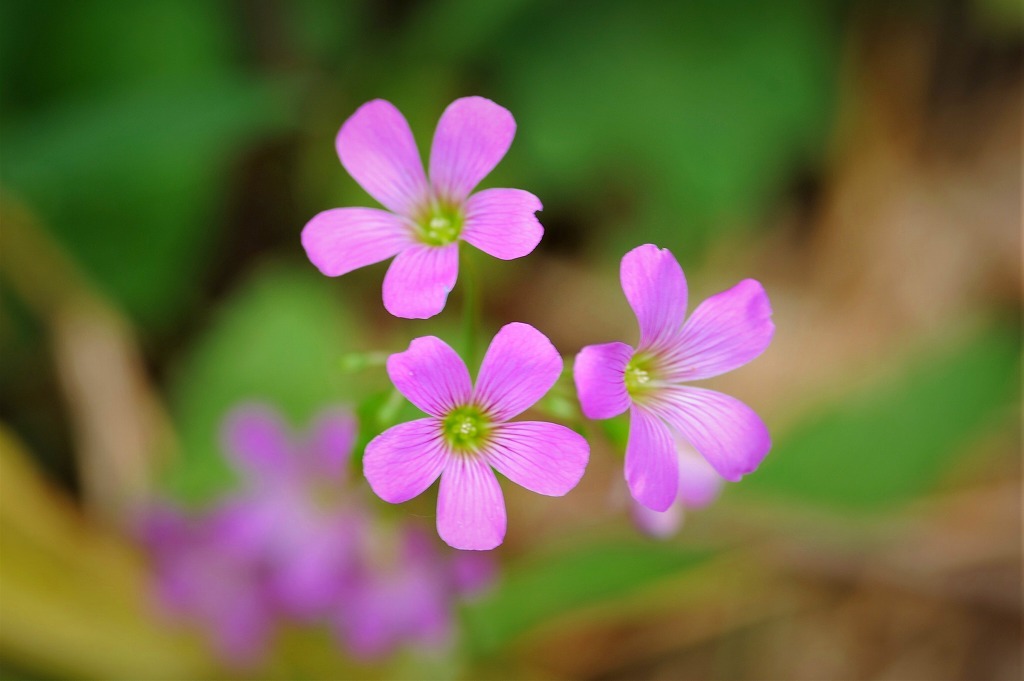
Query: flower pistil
[639, 375]
[441, 225]
[466, 428]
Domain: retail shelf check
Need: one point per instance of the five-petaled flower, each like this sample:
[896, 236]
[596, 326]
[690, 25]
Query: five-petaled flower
[468, 432]
[426, 216]
[724, 332]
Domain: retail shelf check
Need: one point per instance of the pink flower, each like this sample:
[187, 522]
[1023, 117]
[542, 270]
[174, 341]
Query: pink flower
[295, 493]
[725, 332]
[699, 486]
[468, 432]
[207, 570]
[406, 592]
[285, 544]
[425, 217]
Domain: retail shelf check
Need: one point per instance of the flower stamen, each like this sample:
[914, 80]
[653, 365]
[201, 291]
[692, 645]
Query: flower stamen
[638, 375]
[441, 226]
[466, 428]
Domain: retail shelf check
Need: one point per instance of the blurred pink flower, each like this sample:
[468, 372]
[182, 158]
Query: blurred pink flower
[468, 432]
[208, 570]
[425, 217]
[296, 541]
[281, 545]
[699, 486]
[725, 332]
[295, 491]
[405, 591]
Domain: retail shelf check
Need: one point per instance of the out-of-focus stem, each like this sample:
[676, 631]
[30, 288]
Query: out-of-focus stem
[38, 270]
[74, 592]
[119, 425]
[389, 410]
[357, 361]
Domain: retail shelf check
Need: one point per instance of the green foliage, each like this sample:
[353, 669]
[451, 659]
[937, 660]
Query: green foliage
[554, 584]
[122, 147]
[1002, 18]
[109, 46]
[670, 120]
[276, 340]
[617, 431]
[889, 444]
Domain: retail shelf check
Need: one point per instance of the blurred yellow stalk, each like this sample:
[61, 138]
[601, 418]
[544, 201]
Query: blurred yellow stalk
[119, 425]
[73, 595]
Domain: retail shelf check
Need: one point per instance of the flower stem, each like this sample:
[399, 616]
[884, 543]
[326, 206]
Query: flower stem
[357, 361]
[388, 411]
[560, 401]
[470, 308]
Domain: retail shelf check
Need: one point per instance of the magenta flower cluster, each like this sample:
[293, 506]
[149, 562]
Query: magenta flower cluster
[296, 542]
[683, 440]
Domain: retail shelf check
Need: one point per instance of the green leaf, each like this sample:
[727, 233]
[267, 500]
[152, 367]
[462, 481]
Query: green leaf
[131, 184]
[108, 46]
[276, 340]
[666, 121]
[552, 584]
[888, 444]
[120, 128]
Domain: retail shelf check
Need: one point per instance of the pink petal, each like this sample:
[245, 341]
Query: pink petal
[725, 332]
[430, 611]
[725, 431]
[366, 623]
[397, 603]
[403, 461]
[164, 528]
[430, 375]
[239, 525]
[330, 441]
[377, 149]
[545, 458]
[258, 442]
[470, 507]
[699, 483]
[600, 375]
[659, 524]
[520, 366]
[307, 581]
[652, 469]
[655, 287]
[340, 240]
[501, 222]
[419, 280]
[471, 138]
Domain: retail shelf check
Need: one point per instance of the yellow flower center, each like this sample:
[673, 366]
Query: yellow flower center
[441, 224]
[466, 428]
[639, 374]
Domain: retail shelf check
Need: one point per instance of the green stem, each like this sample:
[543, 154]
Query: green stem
[470, 309]
[357, 361]
[389, 410]
[560, 402]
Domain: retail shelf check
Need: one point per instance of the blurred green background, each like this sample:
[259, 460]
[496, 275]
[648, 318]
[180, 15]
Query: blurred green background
[159, 159]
